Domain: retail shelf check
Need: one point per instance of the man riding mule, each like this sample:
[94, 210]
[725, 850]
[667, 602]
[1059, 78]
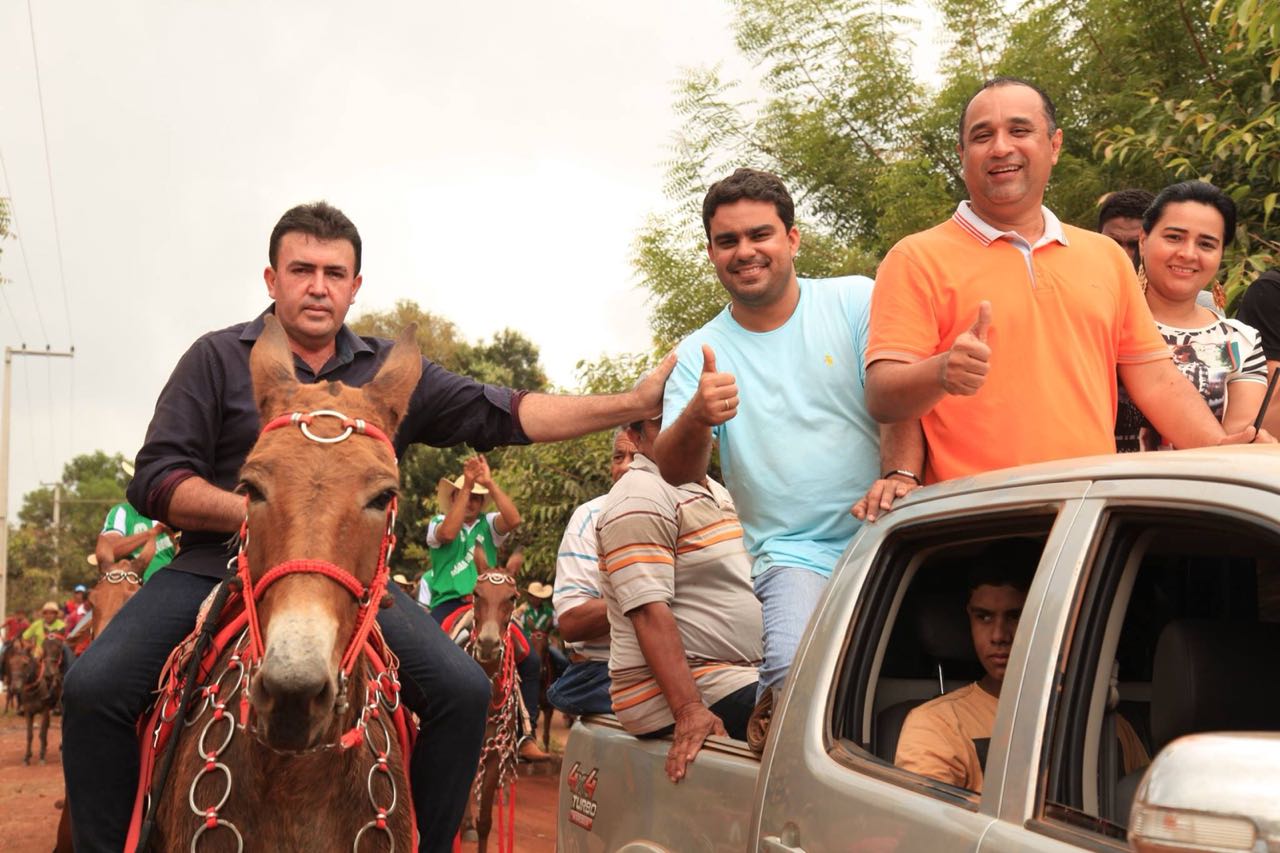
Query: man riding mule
[205, 422]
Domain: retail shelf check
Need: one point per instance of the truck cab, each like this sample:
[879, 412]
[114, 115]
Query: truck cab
[1154, 613]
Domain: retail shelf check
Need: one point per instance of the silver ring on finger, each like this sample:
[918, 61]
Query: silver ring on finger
[727, 407]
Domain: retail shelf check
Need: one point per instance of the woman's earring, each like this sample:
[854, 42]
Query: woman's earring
[1142, 275]
[1219, 296]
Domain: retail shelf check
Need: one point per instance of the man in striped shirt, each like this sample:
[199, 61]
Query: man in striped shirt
[685, 626]
[581, 614]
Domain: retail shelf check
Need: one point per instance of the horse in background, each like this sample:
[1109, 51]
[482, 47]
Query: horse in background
[37, 683]
[494, 644]
[296, 740]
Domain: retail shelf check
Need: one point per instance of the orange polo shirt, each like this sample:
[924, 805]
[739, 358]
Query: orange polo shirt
[1065, 313]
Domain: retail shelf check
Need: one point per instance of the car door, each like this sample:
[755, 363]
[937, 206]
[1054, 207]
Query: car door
[1145, 557]
[822, 786]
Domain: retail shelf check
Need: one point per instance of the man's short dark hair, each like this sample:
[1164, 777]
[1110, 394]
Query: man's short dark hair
[320, 220]
[1050, 111]
[1201, 192]
[1124, 204]
[1009, 562]
[750, 184]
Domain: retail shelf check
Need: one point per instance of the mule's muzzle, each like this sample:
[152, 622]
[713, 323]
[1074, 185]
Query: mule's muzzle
[294, 705]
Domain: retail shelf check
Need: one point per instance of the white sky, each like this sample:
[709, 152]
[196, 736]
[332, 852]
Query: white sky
[497, 159]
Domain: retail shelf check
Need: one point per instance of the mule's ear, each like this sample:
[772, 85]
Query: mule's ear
[514, 563]
[482, 562]
[391, 389]
[271, 366]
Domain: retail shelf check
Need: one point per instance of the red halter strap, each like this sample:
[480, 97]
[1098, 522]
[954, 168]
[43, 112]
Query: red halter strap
[369, 597]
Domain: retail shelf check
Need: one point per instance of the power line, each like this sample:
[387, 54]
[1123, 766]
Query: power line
[26, 263]
[48, 167]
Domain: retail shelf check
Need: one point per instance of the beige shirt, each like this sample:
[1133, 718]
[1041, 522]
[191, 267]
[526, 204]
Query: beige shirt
[681, 546]
[940, 738]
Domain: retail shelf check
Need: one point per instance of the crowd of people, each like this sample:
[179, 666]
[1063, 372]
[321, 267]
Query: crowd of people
[999, 337]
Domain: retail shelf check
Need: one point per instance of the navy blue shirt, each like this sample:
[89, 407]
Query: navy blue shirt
[206, 422]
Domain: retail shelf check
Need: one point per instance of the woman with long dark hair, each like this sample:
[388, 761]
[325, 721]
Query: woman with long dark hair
[1184, 233]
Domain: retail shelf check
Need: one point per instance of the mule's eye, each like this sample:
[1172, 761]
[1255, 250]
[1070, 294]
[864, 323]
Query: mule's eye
[380, 502]
[249, 489]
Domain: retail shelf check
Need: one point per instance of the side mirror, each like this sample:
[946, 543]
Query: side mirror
[1216, 792]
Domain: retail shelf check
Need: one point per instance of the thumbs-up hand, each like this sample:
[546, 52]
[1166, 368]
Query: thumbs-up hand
[716, 399]
[964, 367]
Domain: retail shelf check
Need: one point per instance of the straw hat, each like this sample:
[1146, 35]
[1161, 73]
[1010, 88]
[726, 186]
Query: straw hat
[446, 489]
[539, 590]
[50, 605]
[400, 579]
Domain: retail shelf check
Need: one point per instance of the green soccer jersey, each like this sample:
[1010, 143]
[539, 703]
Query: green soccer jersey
[127, 521]
[453, 566]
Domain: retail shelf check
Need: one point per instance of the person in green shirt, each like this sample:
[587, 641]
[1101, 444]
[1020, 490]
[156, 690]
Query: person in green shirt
[128, 534]
[452, 536]
[49, 623]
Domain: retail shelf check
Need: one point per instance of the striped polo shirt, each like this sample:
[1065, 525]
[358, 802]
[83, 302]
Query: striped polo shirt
[680, 545]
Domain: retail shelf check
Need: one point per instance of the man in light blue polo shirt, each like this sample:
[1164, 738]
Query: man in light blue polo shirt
[777, 380]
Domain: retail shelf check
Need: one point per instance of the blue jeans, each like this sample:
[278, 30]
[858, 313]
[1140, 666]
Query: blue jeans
[788, 596]
[111, 685]
[583, 689]
[530, 668]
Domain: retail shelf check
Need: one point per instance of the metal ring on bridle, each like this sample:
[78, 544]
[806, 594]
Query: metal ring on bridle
[381, 766]
[386, 737]
[352, 426]
[226, 795]
[231, 730]
[219, 822]
[373, 824]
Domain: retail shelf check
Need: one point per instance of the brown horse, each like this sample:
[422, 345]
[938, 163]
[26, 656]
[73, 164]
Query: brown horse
[493, 646]
[38, 685]
[291, 751]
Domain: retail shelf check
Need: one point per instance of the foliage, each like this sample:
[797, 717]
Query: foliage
[509, 359]
[869, 153]
[548, 482]
[55, 555]
[1222, 128]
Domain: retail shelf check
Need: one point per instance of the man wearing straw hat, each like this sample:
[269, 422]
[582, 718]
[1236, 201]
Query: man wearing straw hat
[452, 537]
[461, 526]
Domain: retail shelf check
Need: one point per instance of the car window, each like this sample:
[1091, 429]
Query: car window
[1177, 625]
[914, 703]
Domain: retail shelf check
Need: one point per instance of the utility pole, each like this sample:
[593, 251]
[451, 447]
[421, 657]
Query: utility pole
[9, 353]
[57, 525]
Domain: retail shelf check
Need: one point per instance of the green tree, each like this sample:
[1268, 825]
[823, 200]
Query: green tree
[1221, 128]
[91, 483]
[870, 153]
[509, 359]
[549, 481]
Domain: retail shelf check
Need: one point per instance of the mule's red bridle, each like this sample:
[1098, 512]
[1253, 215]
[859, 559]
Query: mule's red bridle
[369, 597]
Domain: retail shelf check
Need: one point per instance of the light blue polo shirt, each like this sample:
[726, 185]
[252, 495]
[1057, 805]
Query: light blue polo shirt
[802, 448]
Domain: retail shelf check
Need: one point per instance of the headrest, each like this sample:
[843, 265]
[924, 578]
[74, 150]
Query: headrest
[943, 626]
[1215, 676]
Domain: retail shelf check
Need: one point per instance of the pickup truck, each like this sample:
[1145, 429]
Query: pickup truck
[1156, 598]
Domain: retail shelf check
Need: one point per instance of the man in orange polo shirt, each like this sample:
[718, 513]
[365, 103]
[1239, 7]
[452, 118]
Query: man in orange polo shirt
[1002, 329]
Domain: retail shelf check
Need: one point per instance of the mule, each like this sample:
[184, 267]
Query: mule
[26, 675]
[291, 743]
[493, 645]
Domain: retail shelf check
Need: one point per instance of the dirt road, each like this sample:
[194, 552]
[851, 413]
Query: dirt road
[30, 796]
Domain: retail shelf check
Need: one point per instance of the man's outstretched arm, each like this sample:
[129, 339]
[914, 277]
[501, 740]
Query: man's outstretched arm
[556, 417]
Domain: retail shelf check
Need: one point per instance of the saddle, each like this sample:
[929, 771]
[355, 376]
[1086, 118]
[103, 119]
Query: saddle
[458, 626]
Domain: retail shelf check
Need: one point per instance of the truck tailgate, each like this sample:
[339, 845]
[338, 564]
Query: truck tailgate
[614, 792]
